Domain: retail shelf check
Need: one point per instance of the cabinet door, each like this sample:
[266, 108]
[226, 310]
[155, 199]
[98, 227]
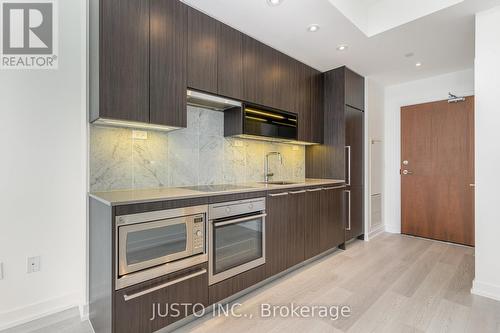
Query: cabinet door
[277, 233]
[202, 51]
[229, 62]
[134, 315]
[355, 212]
[296, 222]
[354, 90]
[224, 289]
[354, 134]
[316, 107]
[168, 73]
[287, 83]
[312, 223]
[303, 103]
[260, 73]
[124, 60]
[332, 218]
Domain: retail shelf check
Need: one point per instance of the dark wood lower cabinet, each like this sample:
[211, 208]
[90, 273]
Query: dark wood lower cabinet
[277, 233]
[134, 315]
[296, 220]
[312, 223]
[324, 226]
[332, 222]
[235, 284]
[354, 212]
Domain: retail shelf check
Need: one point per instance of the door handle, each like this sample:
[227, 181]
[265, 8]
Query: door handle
[407, 172]
[348, 180]
[472, 185]
[278, 194]
[161, 286]
[348, 210]
[243, 219]
[298, 192]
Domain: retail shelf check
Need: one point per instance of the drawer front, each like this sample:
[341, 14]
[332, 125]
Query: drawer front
[155, 304]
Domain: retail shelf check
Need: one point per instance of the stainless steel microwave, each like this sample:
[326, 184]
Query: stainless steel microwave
[147, 240]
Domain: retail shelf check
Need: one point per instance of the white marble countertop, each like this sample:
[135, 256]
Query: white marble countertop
[127, 197]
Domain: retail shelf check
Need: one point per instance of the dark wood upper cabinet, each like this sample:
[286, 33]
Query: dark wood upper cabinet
[202, 51]
[168, 66]
[303, 104]
[260, 73]
[354, 89]
[229, 62]
[327, 160]
[123, 60]
[316, 99]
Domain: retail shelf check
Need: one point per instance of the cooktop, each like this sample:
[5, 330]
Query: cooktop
[216, 188]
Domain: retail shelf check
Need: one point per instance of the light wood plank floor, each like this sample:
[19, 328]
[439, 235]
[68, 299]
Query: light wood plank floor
[393, 283]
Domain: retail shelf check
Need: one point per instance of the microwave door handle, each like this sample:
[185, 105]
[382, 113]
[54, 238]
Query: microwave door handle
[164, 285]
[243, 219]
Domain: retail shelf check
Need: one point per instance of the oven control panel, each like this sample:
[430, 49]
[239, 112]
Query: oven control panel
[198, 231]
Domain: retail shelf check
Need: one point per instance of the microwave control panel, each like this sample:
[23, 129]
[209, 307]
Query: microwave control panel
[199, 233]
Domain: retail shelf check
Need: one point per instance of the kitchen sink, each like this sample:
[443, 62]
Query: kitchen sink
[279, 182]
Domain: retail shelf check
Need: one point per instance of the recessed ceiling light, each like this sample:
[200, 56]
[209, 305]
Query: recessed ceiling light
[342, 47]
[274, 2]
[313, 28]
[418, 64]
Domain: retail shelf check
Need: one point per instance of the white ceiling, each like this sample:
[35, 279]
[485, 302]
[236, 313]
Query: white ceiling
[442, 41]
[376, 16]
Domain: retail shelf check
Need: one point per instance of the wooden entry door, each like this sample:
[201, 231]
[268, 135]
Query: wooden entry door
[437, 171]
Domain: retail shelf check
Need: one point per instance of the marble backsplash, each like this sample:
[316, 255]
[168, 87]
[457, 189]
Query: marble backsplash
[196, 155]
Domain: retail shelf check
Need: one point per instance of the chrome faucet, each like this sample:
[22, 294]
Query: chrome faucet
[268, 174]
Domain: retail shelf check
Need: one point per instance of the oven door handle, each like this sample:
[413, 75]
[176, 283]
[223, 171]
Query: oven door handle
[243, 219]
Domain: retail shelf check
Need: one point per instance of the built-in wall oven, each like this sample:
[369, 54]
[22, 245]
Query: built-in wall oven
[236, 238]
[156, 243]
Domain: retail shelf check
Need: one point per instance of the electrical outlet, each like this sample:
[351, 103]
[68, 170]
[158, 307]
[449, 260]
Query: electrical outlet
[33, 264]
[139, 135]
[1, 270]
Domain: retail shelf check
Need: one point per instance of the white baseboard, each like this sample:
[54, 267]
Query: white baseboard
[486, 290]
[84, 311]
[393, 229]
[38, 310]
[377, 231]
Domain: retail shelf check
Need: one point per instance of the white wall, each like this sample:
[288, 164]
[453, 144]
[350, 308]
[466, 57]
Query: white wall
[43, 179]
[487, 279]
[374, 161]
[415, 92]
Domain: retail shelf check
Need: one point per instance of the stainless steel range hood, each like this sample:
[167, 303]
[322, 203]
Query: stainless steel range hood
[196, 98]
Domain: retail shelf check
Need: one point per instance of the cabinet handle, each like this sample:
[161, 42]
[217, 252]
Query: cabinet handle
[278, 194]
[298, 192]
[315, 190]
[161, 286]
[333, 188]
[348, 180]
[348, 210]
